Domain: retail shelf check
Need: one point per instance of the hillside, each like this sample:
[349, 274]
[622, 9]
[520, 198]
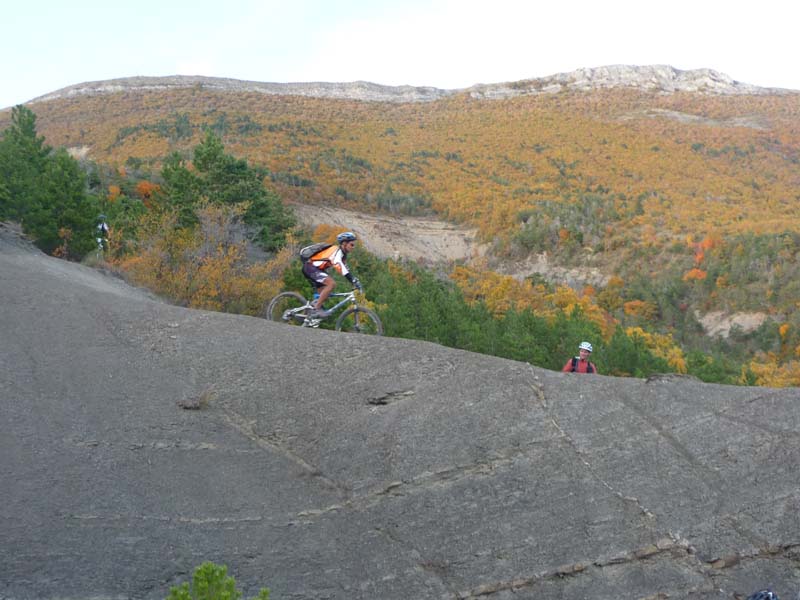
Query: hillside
[676, 188]
[670, 164]
[449, 475]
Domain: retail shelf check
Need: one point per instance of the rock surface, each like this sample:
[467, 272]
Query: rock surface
[427, 240]
[654, 78]
[328, 465]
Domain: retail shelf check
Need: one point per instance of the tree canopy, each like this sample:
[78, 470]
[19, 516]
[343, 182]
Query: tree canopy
[45, 190]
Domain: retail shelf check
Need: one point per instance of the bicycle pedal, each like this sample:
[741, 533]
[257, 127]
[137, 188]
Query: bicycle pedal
[312, 322]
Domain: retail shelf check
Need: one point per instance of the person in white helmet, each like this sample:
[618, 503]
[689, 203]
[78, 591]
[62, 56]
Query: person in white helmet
[581, 363]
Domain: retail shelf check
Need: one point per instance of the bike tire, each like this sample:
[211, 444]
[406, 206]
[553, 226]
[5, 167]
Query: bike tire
[283, 302]
[359, 320]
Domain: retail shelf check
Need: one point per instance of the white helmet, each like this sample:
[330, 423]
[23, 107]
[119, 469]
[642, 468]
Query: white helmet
[585, 346]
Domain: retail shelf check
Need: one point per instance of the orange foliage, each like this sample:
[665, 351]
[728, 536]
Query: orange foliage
[114, 192]
[615, 282]
[640, 308]
[460, 151]
[662, 346]
[65, 235]
[203, 267]
[502, 293]
[769, 371]
[699, 255]
[698, 167]
[146, 189]
[694, 275]
[326, 233]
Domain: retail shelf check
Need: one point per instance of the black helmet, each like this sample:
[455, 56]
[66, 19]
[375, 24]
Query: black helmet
[763, 595]
[347, 236]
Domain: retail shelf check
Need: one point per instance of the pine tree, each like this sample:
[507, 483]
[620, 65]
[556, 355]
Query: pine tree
[23, 155]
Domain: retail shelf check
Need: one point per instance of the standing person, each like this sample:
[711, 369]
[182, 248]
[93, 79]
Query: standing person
[102, 233]
[580, 363]
[334, 256]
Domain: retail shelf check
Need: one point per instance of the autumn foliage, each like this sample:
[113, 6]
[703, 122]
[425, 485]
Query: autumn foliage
[204, 266]
[686, 202]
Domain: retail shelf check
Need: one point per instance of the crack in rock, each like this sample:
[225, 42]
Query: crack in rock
[647, 513]
[247, 429]
[424, 482]
[664, 545]
[389, 398]
[167, 519]
[673, 545]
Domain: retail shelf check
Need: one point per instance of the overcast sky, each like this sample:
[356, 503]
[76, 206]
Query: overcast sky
[47, 45]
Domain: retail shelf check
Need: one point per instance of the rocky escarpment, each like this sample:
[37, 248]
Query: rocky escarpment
[357, 90]
[653, 78]
[391, 469]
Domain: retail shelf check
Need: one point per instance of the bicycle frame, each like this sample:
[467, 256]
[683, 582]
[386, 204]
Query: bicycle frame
[353, 319]
[348, 297]
[300, 311]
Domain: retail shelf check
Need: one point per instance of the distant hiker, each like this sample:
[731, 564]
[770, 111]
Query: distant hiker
[580, 363]
[102, 233]
[329, 256]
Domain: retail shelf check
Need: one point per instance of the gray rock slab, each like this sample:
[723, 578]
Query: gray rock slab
[326, 465]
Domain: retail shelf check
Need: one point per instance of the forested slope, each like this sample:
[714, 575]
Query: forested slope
[687, 202]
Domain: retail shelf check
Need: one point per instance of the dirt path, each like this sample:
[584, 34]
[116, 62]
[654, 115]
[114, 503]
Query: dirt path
[413, 238]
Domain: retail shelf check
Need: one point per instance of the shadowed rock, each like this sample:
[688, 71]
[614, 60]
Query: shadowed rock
[328, 465]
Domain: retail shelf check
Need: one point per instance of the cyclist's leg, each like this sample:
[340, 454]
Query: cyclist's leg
[325, 290]
[322, 283]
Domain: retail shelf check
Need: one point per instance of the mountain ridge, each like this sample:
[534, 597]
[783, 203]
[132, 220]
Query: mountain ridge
[656, 78]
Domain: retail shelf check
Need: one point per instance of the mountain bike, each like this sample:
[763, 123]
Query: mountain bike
[293, 309]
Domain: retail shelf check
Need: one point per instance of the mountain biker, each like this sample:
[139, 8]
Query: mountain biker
[334, 256]
[580, 363]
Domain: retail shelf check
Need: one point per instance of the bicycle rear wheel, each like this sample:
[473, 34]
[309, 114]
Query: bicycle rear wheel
[359, 320]
[282, 309]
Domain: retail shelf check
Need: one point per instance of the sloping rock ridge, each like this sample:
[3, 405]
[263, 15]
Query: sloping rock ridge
[337, 466]
[653, 78]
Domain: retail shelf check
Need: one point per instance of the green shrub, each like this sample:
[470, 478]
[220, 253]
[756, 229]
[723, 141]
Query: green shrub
[211, 582]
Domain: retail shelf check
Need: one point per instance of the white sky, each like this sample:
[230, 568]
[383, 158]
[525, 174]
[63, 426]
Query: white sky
[50, 44]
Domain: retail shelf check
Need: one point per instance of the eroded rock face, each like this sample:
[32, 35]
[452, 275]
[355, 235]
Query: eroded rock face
[658, 78]
[328, 465]
[718, 323]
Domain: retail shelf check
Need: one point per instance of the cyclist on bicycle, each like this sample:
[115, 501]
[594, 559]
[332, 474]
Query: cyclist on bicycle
[334, 256]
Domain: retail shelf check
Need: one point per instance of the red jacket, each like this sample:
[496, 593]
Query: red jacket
[581, 366]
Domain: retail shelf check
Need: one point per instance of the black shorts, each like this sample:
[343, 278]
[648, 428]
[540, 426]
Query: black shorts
[315, 275]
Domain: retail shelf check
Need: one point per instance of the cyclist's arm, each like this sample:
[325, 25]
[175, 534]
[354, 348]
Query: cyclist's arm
[354, 281]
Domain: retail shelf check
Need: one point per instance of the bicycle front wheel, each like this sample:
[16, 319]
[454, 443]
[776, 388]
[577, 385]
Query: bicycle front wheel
[359, 320]
[284, 308]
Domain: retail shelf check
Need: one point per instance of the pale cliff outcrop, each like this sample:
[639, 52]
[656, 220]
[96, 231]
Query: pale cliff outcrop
[652, 78]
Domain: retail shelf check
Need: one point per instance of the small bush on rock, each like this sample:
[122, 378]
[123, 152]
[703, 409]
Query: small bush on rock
[211, 582]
